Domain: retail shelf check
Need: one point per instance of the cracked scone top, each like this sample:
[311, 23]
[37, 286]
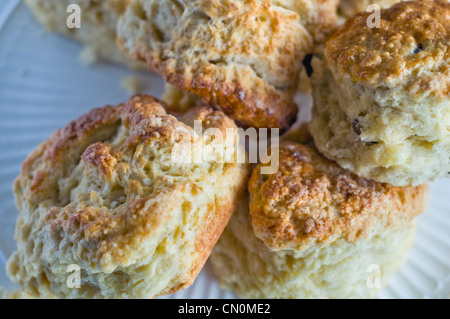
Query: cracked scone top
[312, 229]
[381, 95]
[106, 193]
[243, 57]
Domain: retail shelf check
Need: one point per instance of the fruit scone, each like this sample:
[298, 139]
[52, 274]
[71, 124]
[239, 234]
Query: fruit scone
[382, 94]
[98, 25]
[243, 57]
[116, 194]
[315, 230]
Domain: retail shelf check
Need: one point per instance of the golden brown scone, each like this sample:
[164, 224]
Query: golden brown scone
[109, 194]
[381, 95]
[98, 25]
[243, 57]
[315, 230]
[348, 8]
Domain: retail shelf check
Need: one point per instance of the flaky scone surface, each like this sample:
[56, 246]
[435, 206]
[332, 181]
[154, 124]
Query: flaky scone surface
[311, 199]
[314, 230]
[107, 194]
[381, 95]
[98, 25]
[242, 57]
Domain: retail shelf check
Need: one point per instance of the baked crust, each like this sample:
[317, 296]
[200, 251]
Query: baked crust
[311, 199]
[410, 48]
[104, 193]
[243, 57]
[338, 269]
[381, 95]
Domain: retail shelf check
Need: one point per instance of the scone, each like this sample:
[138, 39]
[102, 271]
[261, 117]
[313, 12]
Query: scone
[98, 25]
[314, 230]
[110, 196]
[381, 95]
[243, 57]
[348, 8]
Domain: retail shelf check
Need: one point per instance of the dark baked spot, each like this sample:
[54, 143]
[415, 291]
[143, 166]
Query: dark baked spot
[356, 126]
[419, 48]
[307, 64]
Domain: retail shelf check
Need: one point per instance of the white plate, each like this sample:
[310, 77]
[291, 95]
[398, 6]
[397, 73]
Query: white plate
[43, 86]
